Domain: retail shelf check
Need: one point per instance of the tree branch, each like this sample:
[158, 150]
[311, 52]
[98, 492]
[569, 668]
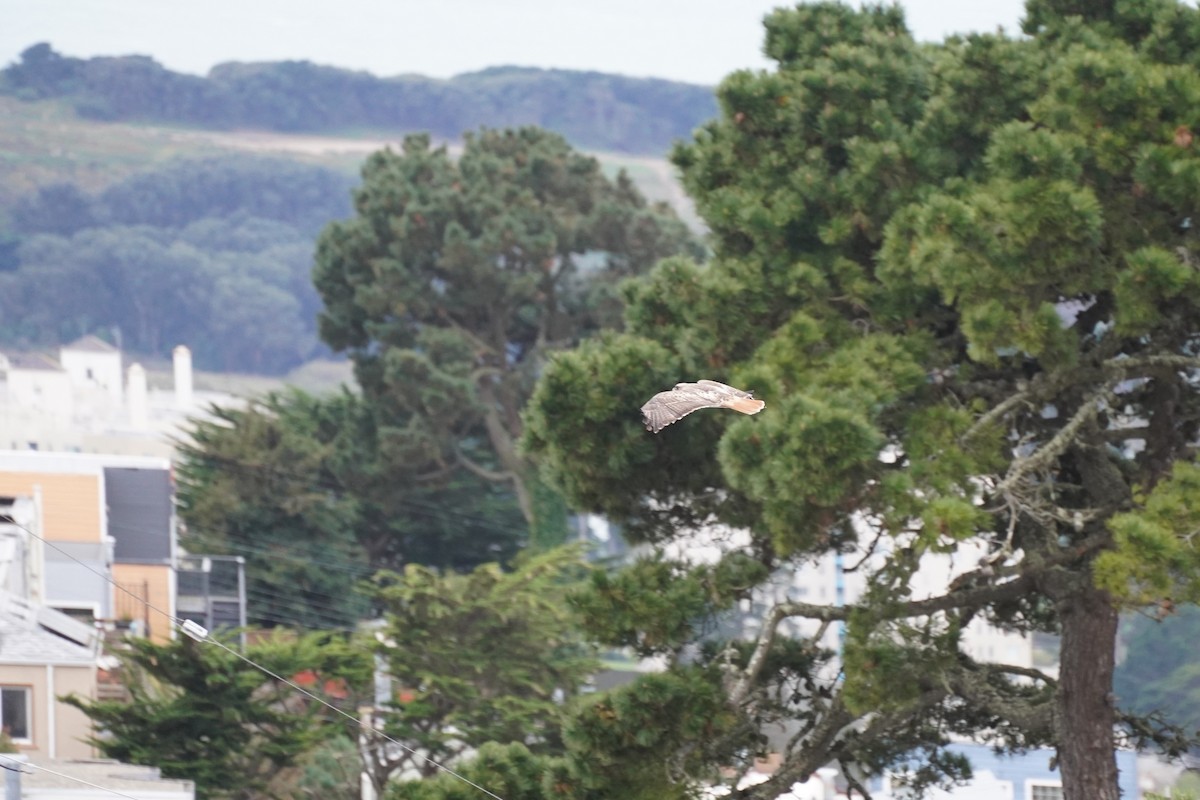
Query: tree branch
[503, 443]
[876, 724]
[970, 594]
[1056, 446]
[853, 782]
[978, 595]
[482, 471]
[815, 754]
[1141, 731]
[1028, 672]
[994, 415]
[1122, 434]
[483, 372]
[762, 649]
[870, 551]
[1122, 366]
[466, 332]
[765, 639]
[1033, 719]
[438, 474]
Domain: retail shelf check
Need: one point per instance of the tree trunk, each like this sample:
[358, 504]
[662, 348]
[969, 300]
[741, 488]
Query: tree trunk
[503, 442]
[1085, 719]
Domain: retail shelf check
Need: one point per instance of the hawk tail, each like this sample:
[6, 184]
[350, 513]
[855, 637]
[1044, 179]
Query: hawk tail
[746, 405]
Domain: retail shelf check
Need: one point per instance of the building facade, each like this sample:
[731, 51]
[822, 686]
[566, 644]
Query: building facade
[105, 520]
[43, 656]
[84, 400]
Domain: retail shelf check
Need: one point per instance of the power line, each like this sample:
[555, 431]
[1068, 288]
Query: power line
[309, 597]
[272, 593]
[430, 511]
[334, 563]
[281, 609]
[339, 564]
[63, 775]
[196, 631]
[305, 600]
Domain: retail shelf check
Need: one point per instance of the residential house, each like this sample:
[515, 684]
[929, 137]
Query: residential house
[103, 518]
[44, 655]
[1020, 776]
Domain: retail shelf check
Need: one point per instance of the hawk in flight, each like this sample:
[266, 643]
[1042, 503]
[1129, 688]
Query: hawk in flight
[672, 406]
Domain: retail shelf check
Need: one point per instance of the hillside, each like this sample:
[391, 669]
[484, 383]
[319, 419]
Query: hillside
[592, 110]
[44, 143]
[151, 235]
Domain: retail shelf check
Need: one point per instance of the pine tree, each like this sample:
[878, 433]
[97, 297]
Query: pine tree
[199, 712]
[964, 277]
[459, 275]
[307, 490]
[478, 657]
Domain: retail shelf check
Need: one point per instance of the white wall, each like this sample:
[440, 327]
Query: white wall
[48, 391]
[101, 371]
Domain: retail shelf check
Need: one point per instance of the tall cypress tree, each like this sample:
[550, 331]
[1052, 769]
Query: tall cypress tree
[964, 277]
[457, 277]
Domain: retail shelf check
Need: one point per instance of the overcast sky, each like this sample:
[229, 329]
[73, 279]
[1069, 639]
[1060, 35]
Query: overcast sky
[699, 41]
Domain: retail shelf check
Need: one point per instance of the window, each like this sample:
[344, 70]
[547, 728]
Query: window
[1045, 791]
[14, 712]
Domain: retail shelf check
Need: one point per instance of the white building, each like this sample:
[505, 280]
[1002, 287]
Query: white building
[825, 581]
[38, 383]
[86, 402]
[828, 580]
[94, 367]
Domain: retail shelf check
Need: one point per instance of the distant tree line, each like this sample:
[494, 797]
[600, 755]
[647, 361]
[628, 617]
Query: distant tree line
[591, 109]
[215, 253]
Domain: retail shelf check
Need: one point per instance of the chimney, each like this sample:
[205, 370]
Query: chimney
[138, 416]
[183, 377]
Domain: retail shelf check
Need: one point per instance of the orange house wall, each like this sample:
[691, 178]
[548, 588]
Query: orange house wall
[71, 510]
[156, 578]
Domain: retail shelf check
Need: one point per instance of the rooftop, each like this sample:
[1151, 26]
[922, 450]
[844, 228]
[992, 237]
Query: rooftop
[26, 641]
[88, 463]
[91, 344]
[33, 361]
[45, 777]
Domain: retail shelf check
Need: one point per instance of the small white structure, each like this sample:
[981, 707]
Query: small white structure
[181, 358]
[94, 364]
[138, 398]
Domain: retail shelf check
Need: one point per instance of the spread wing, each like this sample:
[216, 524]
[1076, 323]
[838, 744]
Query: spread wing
[671, 406]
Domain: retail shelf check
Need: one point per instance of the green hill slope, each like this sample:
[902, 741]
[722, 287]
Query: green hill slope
[45, 142]
[153, 235]
[590, 109]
